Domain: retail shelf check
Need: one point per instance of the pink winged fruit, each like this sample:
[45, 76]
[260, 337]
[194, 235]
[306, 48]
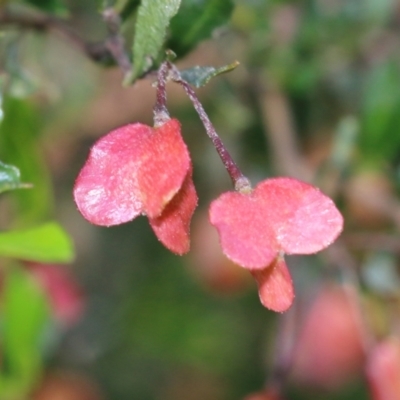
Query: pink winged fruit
[279, 216]
[137, 169]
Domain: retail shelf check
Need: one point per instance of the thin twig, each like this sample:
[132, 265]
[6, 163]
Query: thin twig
[98, 52]
[115, 42]
[288, 327]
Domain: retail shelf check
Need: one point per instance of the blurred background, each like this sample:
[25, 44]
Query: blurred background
[316, 97]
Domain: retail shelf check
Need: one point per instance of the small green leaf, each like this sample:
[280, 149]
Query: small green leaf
[10, 178]
[151, 27]
[200, 76]
[196, 21]
[47, 243]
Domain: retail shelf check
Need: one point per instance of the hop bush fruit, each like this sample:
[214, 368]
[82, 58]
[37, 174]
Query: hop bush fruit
[137, 169]
[280, 216]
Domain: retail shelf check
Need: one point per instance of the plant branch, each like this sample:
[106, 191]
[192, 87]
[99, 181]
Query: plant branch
[288, 327]
[102, 52]
[115, 42]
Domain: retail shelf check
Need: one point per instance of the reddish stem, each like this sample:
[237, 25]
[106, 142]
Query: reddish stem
[240, 182]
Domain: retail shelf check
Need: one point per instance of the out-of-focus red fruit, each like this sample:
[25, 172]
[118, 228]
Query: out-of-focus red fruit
[66, 298]
[210, 266]
[383, 370]
[67, 386]
[329, 352]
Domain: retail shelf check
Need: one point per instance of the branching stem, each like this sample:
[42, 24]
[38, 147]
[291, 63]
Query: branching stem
[240, 182]
[160, 111]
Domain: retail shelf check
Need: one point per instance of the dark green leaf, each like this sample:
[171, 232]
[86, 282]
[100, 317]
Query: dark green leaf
[47, 243]
[10, 178]
[200, 76]
[196, 21]
[151, 27]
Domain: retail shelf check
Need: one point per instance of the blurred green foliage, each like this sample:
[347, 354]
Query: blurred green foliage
[21, 125]
[25, 310]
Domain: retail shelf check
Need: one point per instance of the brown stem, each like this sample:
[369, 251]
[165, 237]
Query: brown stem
[115, 42]
[103, 52]
[285, 346]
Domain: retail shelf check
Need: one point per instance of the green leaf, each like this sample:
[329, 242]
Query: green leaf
[25, 312]
[151, 27]
[200, 76]
[10, 178]
[47, 243]
[196, 21]
[19, 145]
